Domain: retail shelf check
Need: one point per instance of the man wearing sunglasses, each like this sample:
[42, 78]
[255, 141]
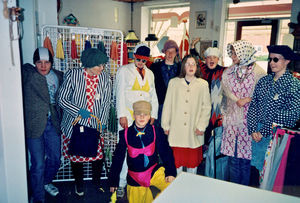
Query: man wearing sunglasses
[134, 82]
[276, 99]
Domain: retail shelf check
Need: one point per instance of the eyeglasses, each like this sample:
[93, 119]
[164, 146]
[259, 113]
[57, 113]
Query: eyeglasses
[189, 64]
[275, 59]
[143, 60]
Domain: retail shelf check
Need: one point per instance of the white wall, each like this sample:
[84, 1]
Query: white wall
[98, 14]
[36, 14]
[13, 182]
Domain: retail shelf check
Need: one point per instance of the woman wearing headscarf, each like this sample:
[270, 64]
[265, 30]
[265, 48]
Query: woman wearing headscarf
[276, 99]
[238, 82]
[85, 91]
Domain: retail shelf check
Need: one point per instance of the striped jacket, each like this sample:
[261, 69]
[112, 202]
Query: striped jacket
[72, 97]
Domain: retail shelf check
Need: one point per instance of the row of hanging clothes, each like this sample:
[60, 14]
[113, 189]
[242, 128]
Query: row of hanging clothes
[282, 162]
[68, 51]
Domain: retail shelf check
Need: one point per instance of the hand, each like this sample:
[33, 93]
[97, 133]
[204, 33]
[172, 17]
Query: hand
[169, 179]
[123, 122]
[256, 136]
[166, 132]
[195, 41]
[198, 132]
[112, 189]
[243, 101]
[152, 121]
[84, 113]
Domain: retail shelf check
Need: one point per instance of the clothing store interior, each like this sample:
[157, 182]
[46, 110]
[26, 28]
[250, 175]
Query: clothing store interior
[218, 81]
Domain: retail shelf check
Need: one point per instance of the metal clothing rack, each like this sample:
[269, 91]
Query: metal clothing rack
[95, 36]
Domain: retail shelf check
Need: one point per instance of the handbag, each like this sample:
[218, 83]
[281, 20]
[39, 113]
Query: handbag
[84, 140]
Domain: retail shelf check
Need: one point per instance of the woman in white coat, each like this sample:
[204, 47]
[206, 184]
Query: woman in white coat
[186, 114]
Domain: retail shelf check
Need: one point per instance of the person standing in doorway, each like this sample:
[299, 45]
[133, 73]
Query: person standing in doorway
[42, 122]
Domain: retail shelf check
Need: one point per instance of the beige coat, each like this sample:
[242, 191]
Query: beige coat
[186, 108]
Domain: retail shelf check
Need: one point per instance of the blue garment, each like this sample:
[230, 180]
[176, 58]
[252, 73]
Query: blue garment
[52, 83]
[239, 170]
[168, 72]
[272, 101]
[222, 170]
[43, 171]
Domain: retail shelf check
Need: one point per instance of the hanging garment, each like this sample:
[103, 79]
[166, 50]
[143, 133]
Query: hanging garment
[59, 50]
[101, 47]
[125, 54]
[48, 45]
[87, 44]
[114, 50]
[73, 49]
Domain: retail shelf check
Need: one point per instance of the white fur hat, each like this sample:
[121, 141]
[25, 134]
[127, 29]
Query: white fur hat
[212, 51]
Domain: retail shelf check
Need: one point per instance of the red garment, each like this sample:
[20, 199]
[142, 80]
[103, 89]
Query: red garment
[187, 157]
[114, 50]
[48, 45]
[73, 49]
[125, 54]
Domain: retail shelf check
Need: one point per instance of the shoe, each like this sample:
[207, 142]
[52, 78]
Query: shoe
[51, 189]
[79, 190]
[120, 192]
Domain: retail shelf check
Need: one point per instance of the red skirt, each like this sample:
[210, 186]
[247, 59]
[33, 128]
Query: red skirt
[188, 157]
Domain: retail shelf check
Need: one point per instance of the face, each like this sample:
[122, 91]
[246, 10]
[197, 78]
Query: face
[96, 70]
[190, 67]
[278, 67]
[43, 66]
[141, 120]
[234, 57]
[170, 55]
[211, 61]
[139, 62]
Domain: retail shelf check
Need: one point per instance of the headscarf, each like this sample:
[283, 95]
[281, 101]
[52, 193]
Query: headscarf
[244, 51]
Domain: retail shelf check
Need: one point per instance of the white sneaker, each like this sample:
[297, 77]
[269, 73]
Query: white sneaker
[79, 191]
[120, 192]
[51, 189]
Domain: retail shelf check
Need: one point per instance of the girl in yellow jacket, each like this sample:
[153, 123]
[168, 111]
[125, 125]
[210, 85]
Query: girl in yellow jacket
[186, 114]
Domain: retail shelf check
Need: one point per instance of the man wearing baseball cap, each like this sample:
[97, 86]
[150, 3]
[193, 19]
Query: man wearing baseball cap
[134, 82]
[42, 122]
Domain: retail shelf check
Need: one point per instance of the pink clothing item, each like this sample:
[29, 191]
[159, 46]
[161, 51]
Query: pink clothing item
[148, 150]
[142, 178]
[235, 118]
[279, 180]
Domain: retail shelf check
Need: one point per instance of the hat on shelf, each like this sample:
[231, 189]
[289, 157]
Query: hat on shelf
[212, 51]
[142, 51]
[93, 57]
[142, 107]
[285, 51]
[170, 44]
[42, 53]
[151, 37]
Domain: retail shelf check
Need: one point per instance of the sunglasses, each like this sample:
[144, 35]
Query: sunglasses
[143, 60]
[275, 59]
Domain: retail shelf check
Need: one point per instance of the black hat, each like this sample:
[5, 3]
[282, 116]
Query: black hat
[42, 53]
[142, 51]
[93, 57]
[285, 51]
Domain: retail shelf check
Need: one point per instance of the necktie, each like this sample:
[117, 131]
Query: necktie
[140, 70]
[140, 133]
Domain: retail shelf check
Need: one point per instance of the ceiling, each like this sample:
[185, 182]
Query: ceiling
[133, 1]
